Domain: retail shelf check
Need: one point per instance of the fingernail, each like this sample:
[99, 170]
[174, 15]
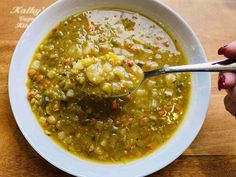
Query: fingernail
[221, 82]
[221, 51]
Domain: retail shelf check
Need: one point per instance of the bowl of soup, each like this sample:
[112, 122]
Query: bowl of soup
[75, 46]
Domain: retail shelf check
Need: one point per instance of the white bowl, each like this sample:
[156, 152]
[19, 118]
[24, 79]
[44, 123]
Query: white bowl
[56, 155]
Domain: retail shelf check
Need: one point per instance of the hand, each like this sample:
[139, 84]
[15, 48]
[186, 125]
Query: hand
[228, 80]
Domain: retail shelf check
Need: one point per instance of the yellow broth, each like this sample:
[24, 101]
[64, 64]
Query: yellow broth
[107, 130]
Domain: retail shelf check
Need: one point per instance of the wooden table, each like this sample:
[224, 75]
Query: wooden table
[213, 153]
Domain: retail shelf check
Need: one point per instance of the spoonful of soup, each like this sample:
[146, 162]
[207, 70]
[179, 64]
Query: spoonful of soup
[109, 75]
[113, 75]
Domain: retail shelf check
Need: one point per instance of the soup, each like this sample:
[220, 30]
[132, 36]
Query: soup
[108, 130]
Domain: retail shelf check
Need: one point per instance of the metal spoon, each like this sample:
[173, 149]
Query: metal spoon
[216, 66]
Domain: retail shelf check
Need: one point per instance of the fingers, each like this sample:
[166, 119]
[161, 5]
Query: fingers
[230, 105]
[228, 51]
[232, 93]
[226, 80]
[229, 83]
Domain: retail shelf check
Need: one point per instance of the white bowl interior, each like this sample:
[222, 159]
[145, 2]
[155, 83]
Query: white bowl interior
[68, 162]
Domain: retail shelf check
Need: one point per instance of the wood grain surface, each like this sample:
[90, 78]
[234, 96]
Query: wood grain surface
[213, 152]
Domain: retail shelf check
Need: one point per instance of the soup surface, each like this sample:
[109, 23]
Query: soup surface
[107, 129]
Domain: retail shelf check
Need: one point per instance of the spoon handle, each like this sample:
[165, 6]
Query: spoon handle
[216, 66]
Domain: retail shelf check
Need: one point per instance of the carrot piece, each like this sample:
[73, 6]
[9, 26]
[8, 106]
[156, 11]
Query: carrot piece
[118, 122]
[31, 73]
[93, 122]
[150, 146]
[115, 104]
[54, 30]
[31, 94]
[147, 65]
[39, 78]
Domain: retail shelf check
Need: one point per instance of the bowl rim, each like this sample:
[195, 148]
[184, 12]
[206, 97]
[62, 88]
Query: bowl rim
[11, 90]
